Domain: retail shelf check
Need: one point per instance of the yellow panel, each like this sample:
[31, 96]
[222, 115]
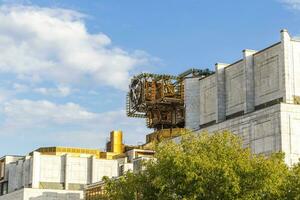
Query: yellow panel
[76, 152]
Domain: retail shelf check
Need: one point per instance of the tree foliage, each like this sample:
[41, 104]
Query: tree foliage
[208, 167]
[291, 188]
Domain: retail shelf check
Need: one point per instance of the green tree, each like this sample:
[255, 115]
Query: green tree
[291, 188]
[203, 166]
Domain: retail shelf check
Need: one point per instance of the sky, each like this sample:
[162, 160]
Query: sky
[65, 65]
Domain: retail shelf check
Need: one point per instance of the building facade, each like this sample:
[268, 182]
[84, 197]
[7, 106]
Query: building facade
[132, 160]
[39, 176]
[256, 97]
[62, 173]
[59, 173]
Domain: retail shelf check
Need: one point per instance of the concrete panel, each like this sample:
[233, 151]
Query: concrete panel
[26, 172]
[78, 170]
[37, 194]
[235, 98]
[295, 136]
[208, 99]
[51, 169]
[268, 75]
[295, 65]
[17, 195]
[43, 194]
[105, 168]
[249, 105]
[35, 170]
[12, 178]
[259, 130]
[290, 132]
[192, 103]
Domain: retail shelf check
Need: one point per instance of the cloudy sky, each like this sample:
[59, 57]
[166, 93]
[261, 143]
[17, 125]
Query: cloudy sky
[65, 64]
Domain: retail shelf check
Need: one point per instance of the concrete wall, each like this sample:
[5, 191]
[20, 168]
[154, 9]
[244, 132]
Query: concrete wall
[273, 129]
[295, 64]
[17, 174]
[290, 132]
[17, 195]
[78, 170]
[105, 168]
[27, 174]
[207, 99]
[234, 84]
[38, 194]
[192, 95]
[257, 79]
[269, 74]
[259, 130]
[57, 172]
[52, 169]
[245, 97]
[292, 58]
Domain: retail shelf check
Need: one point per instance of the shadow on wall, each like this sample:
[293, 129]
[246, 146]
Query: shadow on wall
[57, 196]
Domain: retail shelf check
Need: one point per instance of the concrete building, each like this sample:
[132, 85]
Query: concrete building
[61, 173]
[256, 97]
[40, 176]
[131, 160]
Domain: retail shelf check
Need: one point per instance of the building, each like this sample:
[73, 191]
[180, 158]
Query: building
[43, 176]
[256, 97]
[131, 160]
[61, 173]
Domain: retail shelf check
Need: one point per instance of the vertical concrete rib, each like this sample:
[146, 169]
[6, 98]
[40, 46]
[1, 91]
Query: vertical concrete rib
[36, 167]
[66, 170]
[287, 66]
[221, 90]
[249, 80]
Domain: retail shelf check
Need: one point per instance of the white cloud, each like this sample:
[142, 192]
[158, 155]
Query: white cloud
[27, 112]
[5, 94]
[20, 87]
[80, 138]
[291, 4]
[44, 44]
[69, 120]
[49, 51]
[59, 91]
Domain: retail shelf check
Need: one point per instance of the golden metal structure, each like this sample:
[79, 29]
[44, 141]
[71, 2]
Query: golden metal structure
[95, 191]
[116, 138]
[160, 98]
[115, 145]
[76, 152]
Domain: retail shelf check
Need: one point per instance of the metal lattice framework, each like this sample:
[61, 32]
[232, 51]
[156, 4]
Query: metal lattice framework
[159, 98]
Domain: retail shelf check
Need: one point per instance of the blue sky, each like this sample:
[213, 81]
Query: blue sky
[65, 64]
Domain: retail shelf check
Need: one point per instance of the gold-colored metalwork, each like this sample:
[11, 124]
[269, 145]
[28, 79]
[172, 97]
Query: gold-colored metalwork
[95, 191]
[115, 145]
[76, 152]
[160, 135]
[116, 139]
[159, 98]
[297, 100]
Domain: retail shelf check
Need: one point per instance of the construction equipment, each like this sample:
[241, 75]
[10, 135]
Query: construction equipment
[160, 98]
